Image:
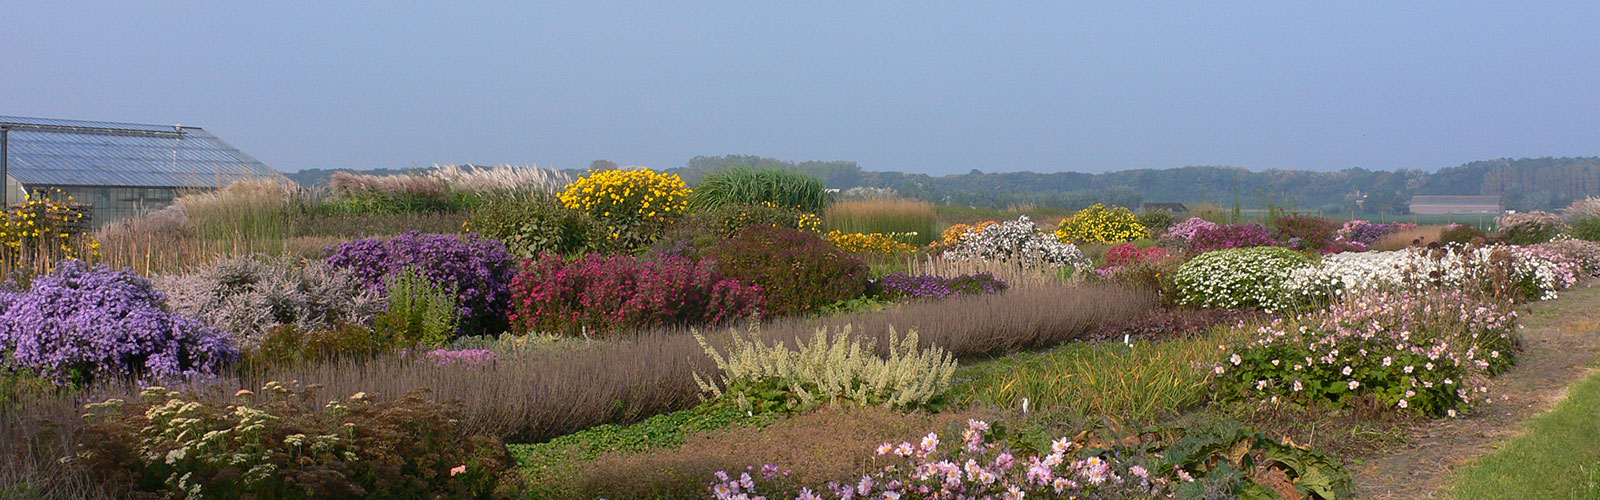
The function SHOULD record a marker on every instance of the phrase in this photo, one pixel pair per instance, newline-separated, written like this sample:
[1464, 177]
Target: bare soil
[1561, 343]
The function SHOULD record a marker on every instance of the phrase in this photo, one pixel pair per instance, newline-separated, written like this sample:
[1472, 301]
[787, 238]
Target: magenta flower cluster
[1128, 254]
[1230, 236]
[80, 323]
[479, 271]
[1187, 229]
[927, 286]
[971, 468]
[599, 294]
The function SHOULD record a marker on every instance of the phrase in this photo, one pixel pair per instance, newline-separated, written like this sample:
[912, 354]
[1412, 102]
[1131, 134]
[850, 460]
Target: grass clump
[748, 186]
[1139, 382]
[420, 310]
[912, 220]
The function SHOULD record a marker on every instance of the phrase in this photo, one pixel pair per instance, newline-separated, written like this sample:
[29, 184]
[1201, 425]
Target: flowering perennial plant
[1128, 254]
[1239, 277]
[922, 286]
[79, 323]
[797, 271]
[283, 442]
[1366, 232]
[49, 224]
[1018, 242]
[478, 270]
[972, 467]
[1187, 229]
[1305, 232]
[595, 294]
[1230, 236]
[878, 244]
[1425, 352]
[1536, 273]
[1585, 255]
[832, 367]
[630, 202]
[1099, 224]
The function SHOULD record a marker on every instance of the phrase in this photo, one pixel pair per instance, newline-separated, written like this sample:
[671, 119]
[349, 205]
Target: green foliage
[830, 368]
[1157, 222]
[291, 345]
[725, 221]
[1228, 450]
[532, 224]
[548, 464]
[420, 311]
[748, 186]
[1239, 277]
[287, 443]
[1586, 228]
[382, 203]
[1460, 233]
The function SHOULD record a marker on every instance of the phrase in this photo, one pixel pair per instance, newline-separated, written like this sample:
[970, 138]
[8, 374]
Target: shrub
[248, 297]
[798, 272]
[1157, 222]
[634, 205]
[875, 244]
[1528, 228]
[1587, 228]
[1460, 234]
[725, 221]
[290, 345]
[1230, 236]
[1426, 352]
[912, 219]
[1367, 233]
[479, 270]
[1018, 242]
[1304, 232]
[608, 295]
[928, 286]
[81, 323]
[1240, 277]
[420, 311]
[43, 229]
[1098, 224]
[748, 186]
[1128, 254]
[530, 225]
[1585, 255]
[829, 368]
[1187, 229]
[286, 443]
[1513, 273]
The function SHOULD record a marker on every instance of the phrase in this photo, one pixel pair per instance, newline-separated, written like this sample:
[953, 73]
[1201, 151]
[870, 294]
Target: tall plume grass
[884, 215]
[477, 179]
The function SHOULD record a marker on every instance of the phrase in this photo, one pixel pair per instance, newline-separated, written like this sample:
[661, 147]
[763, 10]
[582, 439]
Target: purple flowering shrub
[923, 286]
[479, 270]
[1366, 232]
[1230, 236]
[1305, 232]
[600, 294]
[79, 323]
[1187, 229]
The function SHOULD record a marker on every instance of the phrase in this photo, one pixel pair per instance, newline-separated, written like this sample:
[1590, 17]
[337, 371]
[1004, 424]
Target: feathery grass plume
[785, 188]
[832, 367]
[1584, 208]
[913, 220]
[476, 179]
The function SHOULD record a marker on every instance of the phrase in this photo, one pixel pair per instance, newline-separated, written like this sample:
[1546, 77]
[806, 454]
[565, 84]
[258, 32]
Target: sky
[932, 87]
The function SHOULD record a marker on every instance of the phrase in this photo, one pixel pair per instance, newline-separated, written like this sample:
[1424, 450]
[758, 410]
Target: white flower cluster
[1020, 242]
[1239, 277]
[1345, 273]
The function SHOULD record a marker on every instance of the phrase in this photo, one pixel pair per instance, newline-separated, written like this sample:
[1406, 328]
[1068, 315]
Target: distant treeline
[1523, 184]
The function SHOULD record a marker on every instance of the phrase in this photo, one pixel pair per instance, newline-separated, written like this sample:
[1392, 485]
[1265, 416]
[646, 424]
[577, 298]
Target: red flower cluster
[602, 295]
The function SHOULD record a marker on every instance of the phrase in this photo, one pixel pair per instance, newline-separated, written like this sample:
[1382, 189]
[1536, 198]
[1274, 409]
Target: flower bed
[1240, 277]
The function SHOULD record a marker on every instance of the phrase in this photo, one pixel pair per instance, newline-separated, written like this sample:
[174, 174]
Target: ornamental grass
[913, 220]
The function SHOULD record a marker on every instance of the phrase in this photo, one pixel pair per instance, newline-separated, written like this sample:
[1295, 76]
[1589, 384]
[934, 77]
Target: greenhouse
[116, 170]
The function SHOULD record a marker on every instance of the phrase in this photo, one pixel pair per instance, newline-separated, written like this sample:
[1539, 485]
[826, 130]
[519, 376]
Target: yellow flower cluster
[1098, 224]
[628, 195]
[873, 243]
[48, 223]
[956, 232]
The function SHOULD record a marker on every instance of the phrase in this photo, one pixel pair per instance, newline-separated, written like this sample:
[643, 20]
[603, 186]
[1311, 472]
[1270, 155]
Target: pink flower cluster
[599, 294]
[1187, 229]
[973, 468]
[1128, 254]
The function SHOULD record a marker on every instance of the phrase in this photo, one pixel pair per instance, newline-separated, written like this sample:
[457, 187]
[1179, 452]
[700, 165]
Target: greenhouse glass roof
[42, 151]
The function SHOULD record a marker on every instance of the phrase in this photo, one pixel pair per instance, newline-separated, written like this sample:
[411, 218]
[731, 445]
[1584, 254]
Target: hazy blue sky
[915, 86]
